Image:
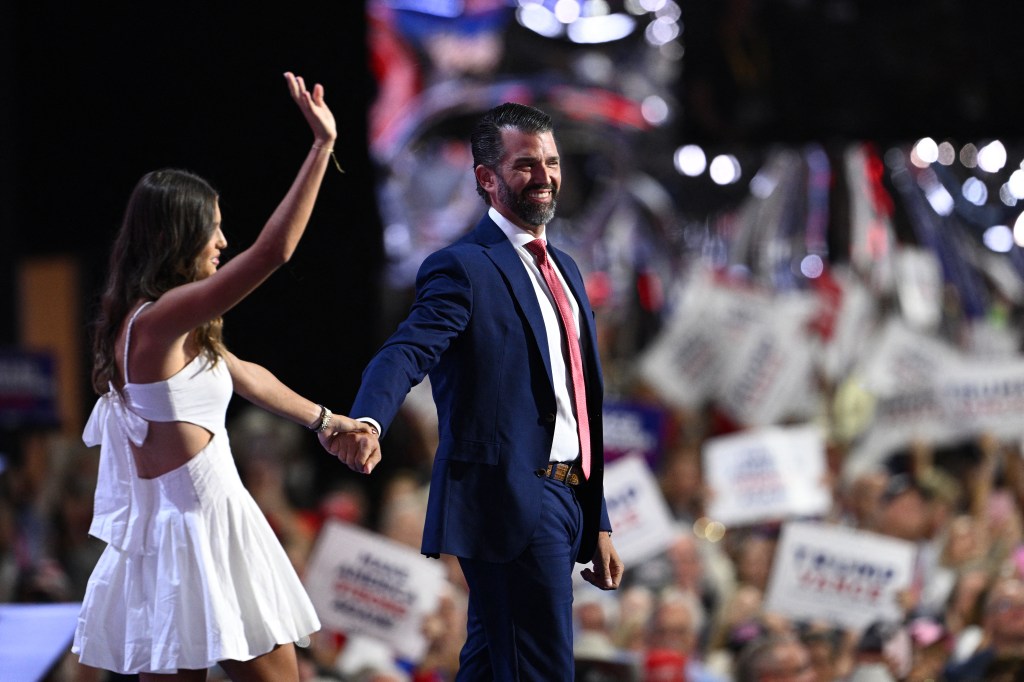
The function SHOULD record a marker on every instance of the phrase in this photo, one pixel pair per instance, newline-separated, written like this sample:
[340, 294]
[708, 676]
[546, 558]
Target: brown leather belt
[567, 473]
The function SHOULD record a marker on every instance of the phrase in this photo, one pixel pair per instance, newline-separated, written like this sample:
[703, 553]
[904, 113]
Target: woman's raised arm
[184, 308]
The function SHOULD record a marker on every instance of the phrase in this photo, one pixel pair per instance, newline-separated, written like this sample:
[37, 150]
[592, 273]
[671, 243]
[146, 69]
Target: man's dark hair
[758, 657]
[485, 140]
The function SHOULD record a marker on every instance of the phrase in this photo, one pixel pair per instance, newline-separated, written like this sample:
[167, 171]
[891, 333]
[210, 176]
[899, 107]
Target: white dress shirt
[565, 447]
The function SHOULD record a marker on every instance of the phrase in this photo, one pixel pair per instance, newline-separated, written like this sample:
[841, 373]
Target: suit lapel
[505, 258]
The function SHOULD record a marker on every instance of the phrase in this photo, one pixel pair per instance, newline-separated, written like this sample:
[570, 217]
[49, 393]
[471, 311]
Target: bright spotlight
[567, 11]
[975, 191]
[992, 157]
[998, 238]
[924, 153]
[661, 31]
[540, 20]
[654, 109]
[1006, 195]
[1016, 184]
[725, 169]
[1018, 230]
[812, 266]
[763, 184]
[940, 199]
[690, 160]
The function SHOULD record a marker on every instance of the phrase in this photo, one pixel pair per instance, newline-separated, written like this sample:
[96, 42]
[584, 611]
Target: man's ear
[485, 178]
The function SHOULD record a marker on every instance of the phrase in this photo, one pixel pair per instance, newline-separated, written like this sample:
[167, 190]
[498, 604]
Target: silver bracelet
[323, 421]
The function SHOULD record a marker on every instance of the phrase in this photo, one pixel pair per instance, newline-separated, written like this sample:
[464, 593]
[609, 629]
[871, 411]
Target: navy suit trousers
[520, 612]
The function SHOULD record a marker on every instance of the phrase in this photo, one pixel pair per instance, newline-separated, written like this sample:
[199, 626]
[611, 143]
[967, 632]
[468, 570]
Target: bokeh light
[812, 266]
[725, 169]
[947, 154]
[969, 155]
[999, 238]
[690, 160]
[924, 153]
[992, 157]
[975, 191]
[654, 110]
[1018, 230]
[1016, 184]
[567, 11]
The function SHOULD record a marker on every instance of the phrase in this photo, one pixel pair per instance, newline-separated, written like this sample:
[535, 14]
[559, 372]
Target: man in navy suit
[516, 491]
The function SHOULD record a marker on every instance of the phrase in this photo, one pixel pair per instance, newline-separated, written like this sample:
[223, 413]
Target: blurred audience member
[964, 613]
[445, 630]
[1004, 632]
[930, 645]
[775, 658]
[636, 605]
[882, 654]
[738, 624]
[672, 638]
[861, 496]
[753, 552]
[830, 649]
[682, 483]
[592, 613]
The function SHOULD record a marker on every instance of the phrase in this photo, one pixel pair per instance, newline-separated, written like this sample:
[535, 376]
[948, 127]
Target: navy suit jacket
[476, 328]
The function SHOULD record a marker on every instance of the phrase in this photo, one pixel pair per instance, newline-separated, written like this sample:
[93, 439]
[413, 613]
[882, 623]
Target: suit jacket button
[550, 418]
[541, 473]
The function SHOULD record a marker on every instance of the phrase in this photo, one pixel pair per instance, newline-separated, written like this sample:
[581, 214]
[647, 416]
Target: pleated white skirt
[213, 584]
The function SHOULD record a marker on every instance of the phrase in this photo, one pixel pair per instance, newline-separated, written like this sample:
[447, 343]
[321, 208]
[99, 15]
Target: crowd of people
[693, 613]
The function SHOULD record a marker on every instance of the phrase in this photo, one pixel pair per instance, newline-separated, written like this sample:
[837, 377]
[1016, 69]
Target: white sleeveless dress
[192, 574]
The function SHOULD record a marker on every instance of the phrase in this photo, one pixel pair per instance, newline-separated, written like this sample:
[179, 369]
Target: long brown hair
[167, 223]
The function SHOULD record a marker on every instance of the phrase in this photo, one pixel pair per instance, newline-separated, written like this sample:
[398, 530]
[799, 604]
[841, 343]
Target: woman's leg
[279, 664]
[180, 676]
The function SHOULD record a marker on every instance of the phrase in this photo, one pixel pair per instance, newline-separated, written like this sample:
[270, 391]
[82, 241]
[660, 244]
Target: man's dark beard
[527, 211]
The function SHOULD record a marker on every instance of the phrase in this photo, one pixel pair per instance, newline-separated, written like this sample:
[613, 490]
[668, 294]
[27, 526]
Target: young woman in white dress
[192, 575]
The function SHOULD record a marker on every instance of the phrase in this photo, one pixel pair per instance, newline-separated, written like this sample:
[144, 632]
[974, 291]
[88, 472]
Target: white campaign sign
[766, 365]
[683, 362]
[641, 522]
[924, 390]
[844, 576]
[361, 582]
[766, 474]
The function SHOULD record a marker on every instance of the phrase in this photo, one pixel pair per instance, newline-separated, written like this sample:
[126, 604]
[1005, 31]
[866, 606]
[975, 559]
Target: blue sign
[28, 389]
[634, 429]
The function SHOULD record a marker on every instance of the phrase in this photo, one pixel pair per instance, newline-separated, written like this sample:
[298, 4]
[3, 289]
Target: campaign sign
[361, 582]
[766, 368]
[765, 474]
[984, 396]
[632, 430]
[640, 517]
[841, 575]
[28, 389]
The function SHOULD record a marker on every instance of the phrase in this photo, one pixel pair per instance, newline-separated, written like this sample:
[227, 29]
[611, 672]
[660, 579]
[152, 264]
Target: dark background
[796, 70]
[96, 95]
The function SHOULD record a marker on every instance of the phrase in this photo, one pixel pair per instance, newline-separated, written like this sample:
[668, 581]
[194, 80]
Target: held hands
[608, 568]
[353, 442]
[313, 107]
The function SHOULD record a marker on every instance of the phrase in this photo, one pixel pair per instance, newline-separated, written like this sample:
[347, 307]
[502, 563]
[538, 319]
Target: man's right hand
[358, 449]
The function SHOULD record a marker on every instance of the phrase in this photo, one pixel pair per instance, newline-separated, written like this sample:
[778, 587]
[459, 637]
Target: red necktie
[579, 393]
